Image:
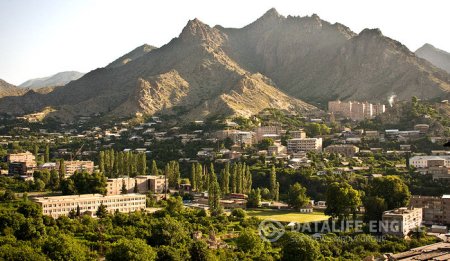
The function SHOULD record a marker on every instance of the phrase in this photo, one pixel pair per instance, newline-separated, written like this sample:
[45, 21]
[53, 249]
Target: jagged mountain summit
[7, 89]
[275, 61]
[314, 60]
[437, 57]
[59, 79]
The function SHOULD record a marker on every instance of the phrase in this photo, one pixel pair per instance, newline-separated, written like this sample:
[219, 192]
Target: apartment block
[298, 134]
[88, 203]
[306, 144]
[237, 136]
[144, 184]
[21, 163]
[78, 165]
[356, 110]
[436, 210]
[21, 157]
[401, 221]
[267, 131]
[343, 149]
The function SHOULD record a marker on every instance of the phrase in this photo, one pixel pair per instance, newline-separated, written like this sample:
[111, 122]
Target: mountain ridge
[435, 56]
[58, 79]
[276, 61]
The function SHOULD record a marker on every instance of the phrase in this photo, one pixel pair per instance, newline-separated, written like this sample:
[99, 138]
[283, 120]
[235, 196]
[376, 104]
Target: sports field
[287, 215]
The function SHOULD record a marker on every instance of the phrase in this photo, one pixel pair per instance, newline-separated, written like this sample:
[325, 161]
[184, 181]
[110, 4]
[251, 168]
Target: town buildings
[57, 206]
[238, 137]
[401, 221]
[21, 163]
[436, 210]
[273, 132]
[356, 110]
[144, 184]
[437, 166]
[305, 144]
[78, 166]
[343, 149]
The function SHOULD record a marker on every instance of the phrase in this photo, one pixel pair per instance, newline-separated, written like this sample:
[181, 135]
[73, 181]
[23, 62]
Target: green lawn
[287, 215]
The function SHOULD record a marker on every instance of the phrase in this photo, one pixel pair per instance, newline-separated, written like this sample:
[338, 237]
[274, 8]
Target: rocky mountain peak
[270, 19]
[272, 13]
[196, 31]
[437, 57]
[375, 32]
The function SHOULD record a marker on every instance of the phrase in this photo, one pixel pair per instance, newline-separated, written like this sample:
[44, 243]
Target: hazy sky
[42, 37]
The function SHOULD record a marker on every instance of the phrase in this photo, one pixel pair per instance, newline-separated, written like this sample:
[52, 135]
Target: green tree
[225, 179]
[20, 252]
[239, 213]
[273, 182]
[142, 167]
[54, 182]
[47, 153]
[199, 251]
[193, 178]
[101, 212]
[297, 246]
[101, 161]
[65, 247]
[265, 143]
[250, 242]
[342, 200]
[8, 195]
[30, 210]
[374, 208]
[168, 253]
[39, 185]
[392, 189]
[68, 187]
[131, 250]
[155, 170]
[175, 205]
[124, 189]
[296, 196]
[254, 198]
[136, 188]
[62, 169]
[214, 194]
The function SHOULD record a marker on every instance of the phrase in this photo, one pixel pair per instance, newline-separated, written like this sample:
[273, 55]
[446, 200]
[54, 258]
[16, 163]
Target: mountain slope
[225, 71]
[317, 61]
[133, 55]
[7, 89]
[58, 79]
[191, 74]
[437, 57]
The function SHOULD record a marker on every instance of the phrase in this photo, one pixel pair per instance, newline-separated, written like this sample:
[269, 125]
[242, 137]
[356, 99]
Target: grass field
[287, 215]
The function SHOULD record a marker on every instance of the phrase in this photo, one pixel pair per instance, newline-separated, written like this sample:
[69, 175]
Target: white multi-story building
[62, 205]
[21, 157]
[298, 134]
[267, 131]
[422, 162]
[237, 136]
[401, 221]
[139, 184]
[356, 110]
[306, 144]
[78, 165]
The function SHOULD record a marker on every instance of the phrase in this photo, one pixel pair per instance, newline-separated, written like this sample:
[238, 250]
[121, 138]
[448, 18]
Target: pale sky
[42, 37]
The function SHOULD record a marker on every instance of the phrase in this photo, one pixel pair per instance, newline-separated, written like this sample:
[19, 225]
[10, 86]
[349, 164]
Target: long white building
[429, 161]
[304, 144]
[62, 205]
